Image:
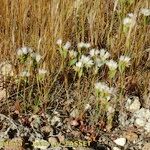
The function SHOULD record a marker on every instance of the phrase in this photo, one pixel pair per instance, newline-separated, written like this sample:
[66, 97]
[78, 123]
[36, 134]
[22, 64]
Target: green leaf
[72, 62]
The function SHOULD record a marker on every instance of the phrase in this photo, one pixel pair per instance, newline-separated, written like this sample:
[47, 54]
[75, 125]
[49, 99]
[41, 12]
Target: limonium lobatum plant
[124, 61]
[112, 65]
[129, 22]
[103, 91]
[63, 49]
[31, 62]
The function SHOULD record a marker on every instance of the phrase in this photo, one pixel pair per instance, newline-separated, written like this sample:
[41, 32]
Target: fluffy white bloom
[36, 56]
[25, 73]
[112, 65]
[6, 69]
[94, 52]
[24, 51]
[86, 61]
[129, 20]
[84, 45]
[42, 71]
[59, 42]
[124, 59]
[99, 62]
[103, 87]
[19, 52]
[104, 54]
[41, 144]
[145, 11]
[79, 64]
[67, 45]
[73, 53]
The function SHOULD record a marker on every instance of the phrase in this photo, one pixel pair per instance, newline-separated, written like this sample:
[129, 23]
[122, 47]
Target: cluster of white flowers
[36, 56]
[85, 61]
[104, 89]
[104, 54]
[42, 71]
[73, 54]
[130, 20]
[145, 11]
[24, 51]
[84, 45]
[66, 46]
[124, 60]
[25, 73]
[32, 58]
[94, 52]
[112, 65]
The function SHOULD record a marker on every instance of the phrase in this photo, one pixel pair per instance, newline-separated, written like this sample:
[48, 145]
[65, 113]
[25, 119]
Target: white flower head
[19, 52]
[124, 59]
[86, 61]
[79, 64]
[104, 54]
[67, 45]
[94, 52]
[36, 56]
[84, 45]
[73, 53]
[112, 65]
[25, 50]
[42, 71]
[59, 42]
[99, 62]
[129, 20]
[25, 73]
[145, 11]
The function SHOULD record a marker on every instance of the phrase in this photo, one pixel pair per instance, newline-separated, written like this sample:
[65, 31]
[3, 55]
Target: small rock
[74, 123]
[146, 146]
[116, 148]
[55, 120]
[130, 136]
[140, 122]
[53, 141]
[74, 113]
[133, 104]
[120, 141]
[46, 129]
